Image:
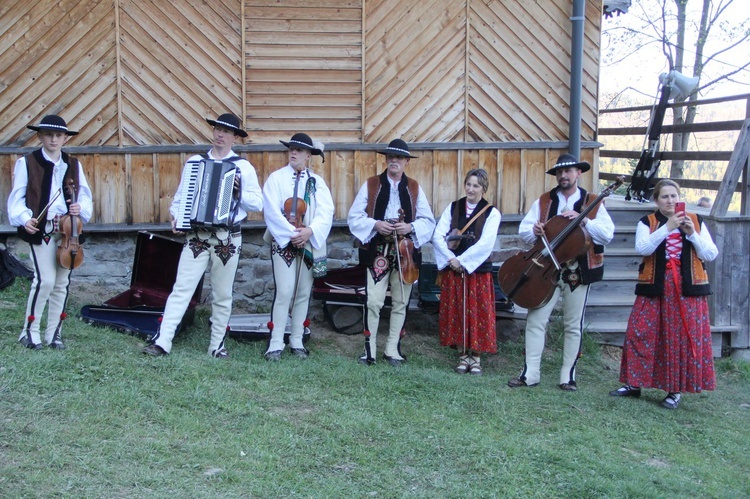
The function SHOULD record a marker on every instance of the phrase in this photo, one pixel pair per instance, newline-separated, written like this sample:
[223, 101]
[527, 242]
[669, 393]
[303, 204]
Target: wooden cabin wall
[138, 188]
[131, 74]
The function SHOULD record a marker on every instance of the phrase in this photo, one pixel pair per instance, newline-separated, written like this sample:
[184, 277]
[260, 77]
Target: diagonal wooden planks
[180, 64]
[519, 70]
[414, 67]
[66, 68]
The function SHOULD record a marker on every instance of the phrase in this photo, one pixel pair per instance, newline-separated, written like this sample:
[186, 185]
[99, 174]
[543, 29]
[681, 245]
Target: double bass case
[138, 310]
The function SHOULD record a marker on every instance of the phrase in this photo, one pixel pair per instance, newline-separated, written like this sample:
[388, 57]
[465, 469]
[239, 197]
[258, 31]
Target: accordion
[207, 199]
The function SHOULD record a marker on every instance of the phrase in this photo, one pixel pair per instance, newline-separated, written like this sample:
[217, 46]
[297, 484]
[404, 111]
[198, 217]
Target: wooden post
[737, 164]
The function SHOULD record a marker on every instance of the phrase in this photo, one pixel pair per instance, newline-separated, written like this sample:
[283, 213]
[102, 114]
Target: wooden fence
[730, 272]
[137, 187]
[718, 156]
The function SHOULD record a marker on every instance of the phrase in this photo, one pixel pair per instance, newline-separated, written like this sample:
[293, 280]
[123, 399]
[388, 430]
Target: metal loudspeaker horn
[680, 86]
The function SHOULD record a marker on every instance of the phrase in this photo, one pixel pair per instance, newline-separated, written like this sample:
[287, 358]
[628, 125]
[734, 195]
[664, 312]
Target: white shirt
[477, 253]
[19, 213]
[363, 227]
[278, 188]
[646, 241]
[251, 198]
[601, 227]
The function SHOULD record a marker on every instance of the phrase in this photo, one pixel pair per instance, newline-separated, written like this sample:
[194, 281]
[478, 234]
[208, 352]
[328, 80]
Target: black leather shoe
[57, 345]
[221, 354]
[302, 353]
[568, 387]
[26, 342]
[392, 361]
[626, 391]
[671, 401]
[154, 350]
[365, 360]
[274, 356]
[518, 382]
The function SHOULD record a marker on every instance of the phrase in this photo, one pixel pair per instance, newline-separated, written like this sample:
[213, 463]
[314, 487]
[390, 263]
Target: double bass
[69, 251]
[529, 278]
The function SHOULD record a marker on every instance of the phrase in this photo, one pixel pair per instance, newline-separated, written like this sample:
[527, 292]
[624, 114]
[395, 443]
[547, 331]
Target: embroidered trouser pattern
[288, 269]
[49, 288]
[200, 249]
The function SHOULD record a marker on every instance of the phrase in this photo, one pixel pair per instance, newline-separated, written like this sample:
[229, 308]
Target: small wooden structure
[471, 83]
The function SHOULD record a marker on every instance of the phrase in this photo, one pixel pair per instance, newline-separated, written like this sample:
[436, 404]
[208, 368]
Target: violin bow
[398, 260]
[549, 251]
[463, 304]
[44, 210]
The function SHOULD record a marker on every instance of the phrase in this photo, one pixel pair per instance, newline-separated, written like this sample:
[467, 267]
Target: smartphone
[679, 207]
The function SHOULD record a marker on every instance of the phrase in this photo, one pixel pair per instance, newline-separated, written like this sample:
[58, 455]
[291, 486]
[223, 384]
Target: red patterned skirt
[481, 333]
[668, 342]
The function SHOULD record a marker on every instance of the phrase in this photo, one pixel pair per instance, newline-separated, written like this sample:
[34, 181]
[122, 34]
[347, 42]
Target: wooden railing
[728, 304]
[736, 177]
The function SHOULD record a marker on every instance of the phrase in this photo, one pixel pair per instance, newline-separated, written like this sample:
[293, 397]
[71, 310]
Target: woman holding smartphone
[668, 339]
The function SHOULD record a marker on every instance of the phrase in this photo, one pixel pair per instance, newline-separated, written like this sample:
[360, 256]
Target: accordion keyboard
[189, 188]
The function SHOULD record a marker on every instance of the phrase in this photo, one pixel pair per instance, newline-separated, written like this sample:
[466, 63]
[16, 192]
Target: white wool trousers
[376, 293]
[49, 288]
[287, 277]
[191, 268]
[574, 303]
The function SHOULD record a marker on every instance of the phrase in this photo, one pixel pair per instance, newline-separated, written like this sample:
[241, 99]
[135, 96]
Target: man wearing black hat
[567, 200]
[386, 204]
[41, 195]
[299, 215]
[203, 244]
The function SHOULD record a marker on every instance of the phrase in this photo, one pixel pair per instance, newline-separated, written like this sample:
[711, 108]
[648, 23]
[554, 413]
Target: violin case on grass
[138, 310]
[254, 327]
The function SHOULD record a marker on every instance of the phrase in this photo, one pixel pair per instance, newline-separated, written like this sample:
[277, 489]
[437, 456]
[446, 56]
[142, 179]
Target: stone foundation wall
[108, 265]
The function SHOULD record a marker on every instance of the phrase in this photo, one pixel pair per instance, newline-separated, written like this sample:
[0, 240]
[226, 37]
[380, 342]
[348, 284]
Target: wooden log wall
[138, 79]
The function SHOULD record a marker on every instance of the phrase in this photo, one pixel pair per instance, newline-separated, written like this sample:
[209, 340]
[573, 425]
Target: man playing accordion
[215, 243]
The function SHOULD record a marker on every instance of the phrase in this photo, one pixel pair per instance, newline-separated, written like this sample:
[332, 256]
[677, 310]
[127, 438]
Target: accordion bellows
[207, 195]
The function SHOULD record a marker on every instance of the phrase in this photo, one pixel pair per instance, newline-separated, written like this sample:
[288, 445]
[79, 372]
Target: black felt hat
[303, 141]
[569, 161]
[397, 147]
[52, 123]
[230, 121]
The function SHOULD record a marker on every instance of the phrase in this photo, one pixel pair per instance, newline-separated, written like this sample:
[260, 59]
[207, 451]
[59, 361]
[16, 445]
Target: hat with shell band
[52, 123]
[397, 147]
[303, 141]
[568, 161]
[229, 121]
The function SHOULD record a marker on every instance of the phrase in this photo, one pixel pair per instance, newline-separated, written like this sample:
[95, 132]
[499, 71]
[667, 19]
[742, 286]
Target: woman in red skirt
[463, 241]
[668, 340]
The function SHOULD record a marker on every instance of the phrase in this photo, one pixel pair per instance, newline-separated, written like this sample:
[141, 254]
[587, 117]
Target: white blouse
[475, 255]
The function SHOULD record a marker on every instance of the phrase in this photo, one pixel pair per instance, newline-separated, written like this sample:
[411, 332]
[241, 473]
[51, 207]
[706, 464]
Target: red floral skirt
[668, 342]
[481, 333]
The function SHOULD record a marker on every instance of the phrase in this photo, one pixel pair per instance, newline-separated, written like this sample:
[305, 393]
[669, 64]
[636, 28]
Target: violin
[69, 251]
[454, 237]
[405, 254]
[529, 277]
[294, 207]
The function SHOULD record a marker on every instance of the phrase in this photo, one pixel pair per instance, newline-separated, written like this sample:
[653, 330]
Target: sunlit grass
[102, 420]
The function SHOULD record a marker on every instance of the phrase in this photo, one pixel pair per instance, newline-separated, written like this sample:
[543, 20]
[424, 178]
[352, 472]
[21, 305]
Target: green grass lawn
[100, 419]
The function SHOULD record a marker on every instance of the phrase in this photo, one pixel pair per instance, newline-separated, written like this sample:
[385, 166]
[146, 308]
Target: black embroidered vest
[459, 219]
[39, 188]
